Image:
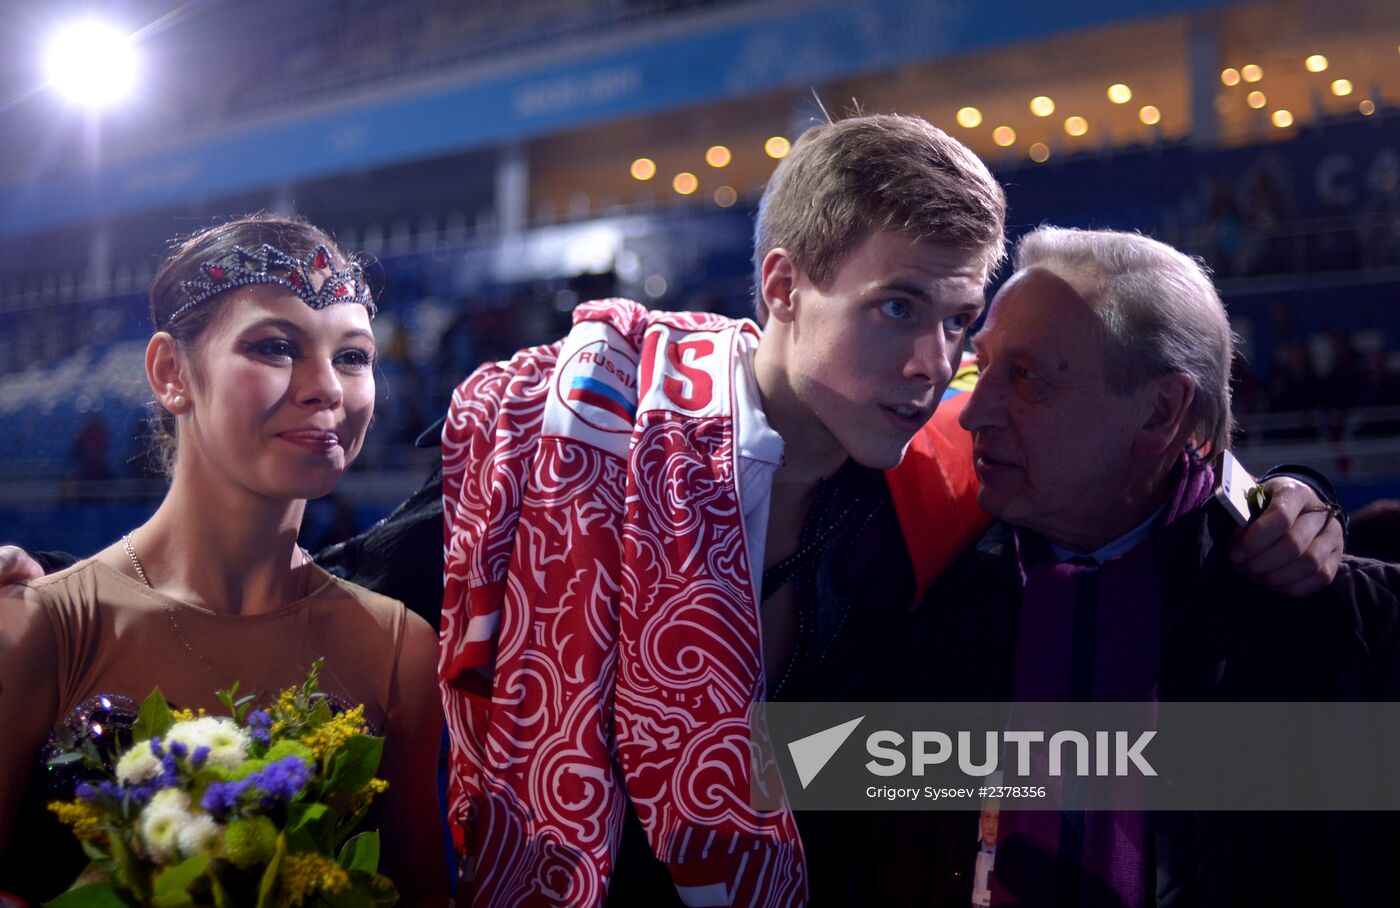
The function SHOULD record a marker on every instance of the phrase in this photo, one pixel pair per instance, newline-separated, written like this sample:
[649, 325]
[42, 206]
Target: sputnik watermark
[1077, 756]
[932, 748]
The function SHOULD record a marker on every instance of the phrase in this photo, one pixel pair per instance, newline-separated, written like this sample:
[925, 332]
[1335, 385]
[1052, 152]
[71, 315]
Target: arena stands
[502, 161]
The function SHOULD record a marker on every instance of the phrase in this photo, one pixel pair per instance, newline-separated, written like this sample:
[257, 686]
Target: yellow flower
[85, 820]
[285, 706]
[305, 874]
[331, 736]
[361, 798]
[187, 715]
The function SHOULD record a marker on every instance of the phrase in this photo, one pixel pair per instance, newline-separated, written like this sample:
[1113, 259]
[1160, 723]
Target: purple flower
[282, 780]
[259, 721]
[86, 792]
[140, 794]
[221, 797]
[279, 781]
[178, 749]
[156, 749]
[170, 771]
[201, 753]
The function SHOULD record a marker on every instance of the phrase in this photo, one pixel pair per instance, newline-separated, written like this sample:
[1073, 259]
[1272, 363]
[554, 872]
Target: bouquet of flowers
[253, 808]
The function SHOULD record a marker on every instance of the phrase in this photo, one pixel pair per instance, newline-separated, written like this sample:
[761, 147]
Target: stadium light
[91, 63]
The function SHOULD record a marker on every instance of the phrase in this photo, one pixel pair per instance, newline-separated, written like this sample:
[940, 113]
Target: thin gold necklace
[170, 612]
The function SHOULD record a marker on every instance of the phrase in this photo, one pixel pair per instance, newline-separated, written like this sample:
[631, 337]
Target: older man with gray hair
[1102, 403]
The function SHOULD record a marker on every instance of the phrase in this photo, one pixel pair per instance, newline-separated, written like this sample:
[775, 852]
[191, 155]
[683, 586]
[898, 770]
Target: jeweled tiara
[239, 268]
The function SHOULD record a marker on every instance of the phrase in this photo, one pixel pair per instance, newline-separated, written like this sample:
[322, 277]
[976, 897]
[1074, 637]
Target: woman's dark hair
[294, 236]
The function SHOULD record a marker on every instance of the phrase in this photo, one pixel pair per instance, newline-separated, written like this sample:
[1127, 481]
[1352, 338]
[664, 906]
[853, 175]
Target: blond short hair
[846, 180]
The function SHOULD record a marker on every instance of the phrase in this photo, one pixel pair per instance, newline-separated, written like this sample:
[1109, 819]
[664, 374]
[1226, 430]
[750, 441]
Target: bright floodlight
[91, 64]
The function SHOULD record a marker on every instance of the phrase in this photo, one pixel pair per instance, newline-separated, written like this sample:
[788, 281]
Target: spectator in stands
[261, 367]
[1268, 249]
[1247, 390]
[1347, 378]
[90, 449]
[1225, 228]
[1105, 578]
[1374, 531]
[343, 524]
[1380, 385]
[1294, 384]
[140, 460]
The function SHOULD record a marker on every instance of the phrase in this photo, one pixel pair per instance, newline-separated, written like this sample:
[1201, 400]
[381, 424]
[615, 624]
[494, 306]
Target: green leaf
[100, 863]
[207, 775]
[154, 719]
[313, 676]
[241, 707]
[64, 759]
[320, 714]
[305, 825]
[91, 757]
[220, 894]
[347, 824]
[299, 816]
[1258, 500]
[226, 698]
[361, 852]
[171, 886]
[95, 895]
[355, 764]
[64, 738]
[380, 888]
[269, 877]
[126, 863]
[352, 897]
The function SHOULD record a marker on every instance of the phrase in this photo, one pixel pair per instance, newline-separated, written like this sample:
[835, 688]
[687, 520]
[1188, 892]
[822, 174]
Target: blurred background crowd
[500, 162]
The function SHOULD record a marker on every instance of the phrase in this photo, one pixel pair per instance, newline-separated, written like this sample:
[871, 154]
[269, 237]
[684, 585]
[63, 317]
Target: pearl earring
[178, 402]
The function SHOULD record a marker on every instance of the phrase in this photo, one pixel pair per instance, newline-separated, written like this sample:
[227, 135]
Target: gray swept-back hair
[1160, 312]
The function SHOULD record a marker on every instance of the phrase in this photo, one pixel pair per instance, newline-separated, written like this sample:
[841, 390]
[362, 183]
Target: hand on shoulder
[16, 566]
[28, 693]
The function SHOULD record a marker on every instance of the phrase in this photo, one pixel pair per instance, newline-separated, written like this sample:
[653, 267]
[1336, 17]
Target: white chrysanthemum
[161, 822]
[200, 834]
[227, 743]
[138, 765]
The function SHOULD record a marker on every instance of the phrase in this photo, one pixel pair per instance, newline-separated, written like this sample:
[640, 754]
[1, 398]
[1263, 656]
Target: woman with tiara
[262, 369]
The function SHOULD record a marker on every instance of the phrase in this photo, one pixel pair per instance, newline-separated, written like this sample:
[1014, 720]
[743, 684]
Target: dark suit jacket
[1223, 639]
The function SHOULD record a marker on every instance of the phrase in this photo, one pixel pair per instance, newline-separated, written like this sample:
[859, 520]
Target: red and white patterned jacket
[605, 502]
